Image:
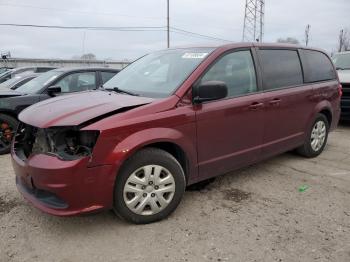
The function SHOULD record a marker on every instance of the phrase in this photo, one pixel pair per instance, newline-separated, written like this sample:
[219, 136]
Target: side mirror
[53, 90]
[208, 91]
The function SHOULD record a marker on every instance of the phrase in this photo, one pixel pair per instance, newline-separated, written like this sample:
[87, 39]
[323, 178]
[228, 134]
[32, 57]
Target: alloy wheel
[6, 134]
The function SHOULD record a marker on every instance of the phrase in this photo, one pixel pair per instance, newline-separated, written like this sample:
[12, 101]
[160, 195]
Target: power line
[124, 28]
[106, 28]
[179, 30]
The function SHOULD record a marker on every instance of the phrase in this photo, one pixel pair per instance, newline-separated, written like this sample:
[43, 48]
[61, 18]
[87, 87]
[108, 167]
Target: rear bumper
[64, 188]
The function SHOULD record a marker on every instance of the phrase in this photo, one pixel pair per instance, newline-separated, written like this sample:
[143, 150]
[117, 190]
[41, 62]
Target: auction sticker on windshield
[194, 55]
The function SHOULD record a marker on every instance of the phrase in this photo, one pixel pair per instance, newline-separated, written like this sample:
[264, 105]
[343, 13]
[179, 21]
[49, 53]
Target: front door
[229, 131]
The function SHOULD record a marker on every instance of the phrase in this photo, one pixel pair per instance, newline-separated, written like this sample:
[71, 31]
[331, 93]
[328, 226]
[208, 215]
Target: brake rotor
[8, 134]
[6, 131]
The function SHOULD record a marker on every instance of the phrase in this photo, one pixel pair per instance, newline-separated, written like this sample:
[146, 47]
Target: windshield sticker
[194, 55]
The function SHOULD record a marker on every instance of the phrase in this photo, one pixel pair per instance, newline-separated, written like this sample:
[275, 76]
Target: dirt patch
[236, 195]
[6, 206]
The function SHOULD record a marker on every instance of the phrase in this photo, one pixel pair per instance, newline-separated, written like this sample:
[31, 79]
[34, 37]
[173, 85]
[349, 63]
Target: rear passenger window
[106, 76]
[281, 68]
[237, 71]
[317, 66]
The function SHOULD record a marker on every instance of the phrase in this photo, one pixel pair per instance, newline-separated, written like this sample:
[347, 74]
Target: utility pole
[253, 27]
[341, 40]
[307, 34]
[168, 25]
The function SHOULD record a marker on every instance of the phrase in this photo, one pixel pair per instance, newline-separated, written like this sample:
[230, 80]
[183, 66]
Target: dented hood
[77, 109]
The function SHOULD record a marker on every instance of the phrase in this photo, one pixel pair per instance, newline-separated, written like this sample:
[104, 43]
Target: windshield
[35, 85]
[342, 61]
[9, 82]
[158, 74]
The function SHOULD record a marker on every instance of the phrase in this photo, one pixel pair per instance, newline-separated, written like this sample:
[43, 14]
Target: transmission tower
[253, 27]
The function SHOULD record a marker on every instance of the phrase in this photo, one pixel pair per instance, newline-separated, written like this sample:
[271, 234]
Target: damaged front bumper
[55, 184]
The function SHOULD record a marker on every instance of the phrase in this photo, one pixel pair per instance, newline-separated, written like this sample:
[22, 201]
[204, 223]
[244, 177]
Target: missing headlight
[68, 143]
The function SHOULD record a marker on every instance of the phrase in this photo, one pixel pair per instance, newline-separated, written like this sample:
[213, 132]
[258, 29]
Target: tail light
[340, 90]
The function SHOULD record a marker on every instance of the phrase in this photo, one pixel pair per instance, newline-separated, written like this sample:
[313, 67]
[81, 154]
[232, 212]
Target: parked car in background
[20, 70]
[342, 63]
[17, 81]
[171, 119]
[3, 69]
[52, 83]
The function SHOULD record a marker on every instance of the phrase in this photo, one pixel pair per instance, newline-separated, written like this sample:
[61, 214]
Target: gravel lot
[255, 214]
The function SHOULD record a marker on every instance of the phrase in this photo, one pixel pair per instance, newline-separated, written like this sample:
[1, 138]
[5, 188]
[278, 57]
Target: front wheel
[8, 126]
[317, 138]
[149, 187]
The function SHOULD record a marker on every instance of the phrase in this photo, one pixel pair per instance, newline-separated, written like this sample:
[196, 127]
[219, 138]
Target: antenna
[253, 27]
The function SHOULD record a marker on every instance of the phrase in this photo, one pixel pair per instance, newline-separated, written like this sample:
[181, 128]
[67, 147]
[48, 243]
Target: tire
[8, 127]
[309, 149]
[149, 186]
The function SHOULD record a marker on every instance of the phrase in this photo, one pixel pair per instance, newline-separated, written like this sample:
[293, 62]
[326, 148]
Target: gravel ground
[255, 214]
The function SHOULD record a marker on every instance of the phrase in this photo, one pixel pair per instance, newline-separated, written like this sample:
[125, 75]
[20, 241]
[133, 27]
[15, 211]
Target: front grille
[346, 91]
[24, 140]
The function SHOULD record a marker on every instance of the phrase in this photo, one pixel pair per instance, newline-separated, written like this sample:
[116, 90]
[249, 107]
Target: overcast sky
[222, 19]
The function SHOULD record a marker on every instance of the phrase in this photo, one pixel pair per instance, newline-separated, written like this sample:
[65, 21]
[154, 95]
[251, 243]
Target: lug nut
[144, 195]
[143, 187]
[156, 187]
[153, 195]
[150, 183]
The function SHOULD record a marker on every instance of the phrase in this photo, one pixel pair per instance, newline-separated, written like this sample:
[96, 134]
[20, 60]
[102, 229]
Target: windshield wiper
[121, 91]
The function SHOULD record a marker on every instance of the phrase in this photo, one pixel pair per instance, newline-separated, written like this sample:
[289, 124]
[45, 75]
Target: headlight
[67, 143]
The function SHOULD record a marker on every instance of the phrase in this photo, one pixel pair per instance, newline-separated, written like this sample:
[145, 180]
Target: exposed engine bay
[67, 143]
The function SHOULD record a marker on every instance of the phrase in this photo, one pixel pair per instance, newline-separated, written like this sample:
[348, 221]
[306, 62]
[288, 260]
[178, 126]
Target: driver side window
[237, 71]
[77, 82]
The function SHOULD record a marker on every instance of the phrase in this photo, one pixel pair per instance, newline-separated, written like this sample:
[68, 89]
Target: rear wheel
[8, 126]
[149, 187]
[316, 139]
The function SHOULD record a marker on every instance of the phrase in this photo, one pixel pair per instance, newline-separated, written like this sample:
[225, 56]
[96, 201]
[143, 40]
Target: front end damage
[53, 173]
[66, 143]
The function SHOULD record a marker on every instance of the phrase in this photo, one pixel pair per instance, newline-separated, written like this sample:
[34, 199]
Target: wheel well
[328, 114]
[176, 152]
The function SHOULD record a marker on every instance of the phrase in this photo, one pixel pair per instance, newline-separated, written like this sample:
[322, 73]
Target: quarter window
[317, 66]
[280, 68]
[237, 71]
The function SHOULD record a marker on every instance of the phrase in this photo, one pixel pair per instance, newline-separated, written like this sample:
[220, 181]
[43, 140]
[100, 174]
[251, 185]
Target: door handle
[256, 106]
[275, 101]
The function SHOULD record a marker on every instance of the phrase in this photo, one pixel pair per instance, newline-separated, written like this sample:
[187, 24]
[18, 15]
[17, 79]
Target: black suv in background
[52, 83]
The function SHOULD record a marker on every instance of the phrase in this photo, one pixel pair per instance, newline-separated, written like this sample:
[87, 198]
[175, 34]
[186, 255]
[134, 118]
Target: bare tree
[344, 41]
[88, 56]
[289, 40]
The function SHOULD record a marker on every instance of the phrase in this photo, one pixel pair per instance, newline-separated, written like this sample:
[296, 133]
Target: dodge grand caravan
[171, 119]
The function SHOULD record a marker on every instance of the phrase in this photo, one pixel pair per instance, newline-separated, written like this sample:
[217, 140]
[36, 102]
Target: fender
[136, 141]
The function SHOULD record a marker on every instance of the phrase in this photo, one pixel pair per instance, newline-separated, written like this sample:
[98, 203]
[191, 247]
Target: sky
[221, 19]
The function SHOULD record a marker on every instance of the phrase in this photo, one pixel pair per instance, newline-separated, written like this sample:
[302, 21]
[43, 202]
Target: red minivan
[171, 119]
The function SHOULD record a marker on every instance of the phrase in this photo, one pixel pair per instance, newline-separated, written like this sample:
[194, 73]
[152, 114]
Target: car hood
[79, 109]
[344, 76]
[6, 92]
